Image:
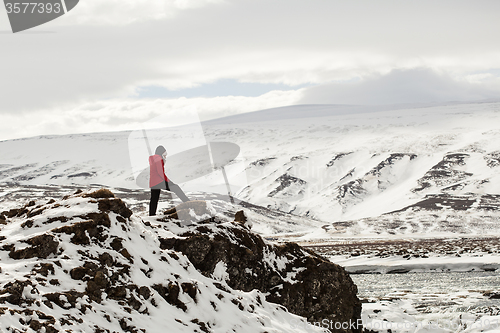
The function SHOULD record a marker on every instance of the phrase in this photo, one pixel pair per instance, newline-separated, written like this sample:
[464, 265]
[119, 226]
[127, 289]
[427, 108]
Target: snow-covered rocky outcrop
[87, 263]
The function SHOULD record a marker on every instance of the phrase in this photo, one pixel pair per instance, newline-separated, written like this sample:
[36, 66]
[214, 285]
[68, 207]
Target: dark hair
[160, 150]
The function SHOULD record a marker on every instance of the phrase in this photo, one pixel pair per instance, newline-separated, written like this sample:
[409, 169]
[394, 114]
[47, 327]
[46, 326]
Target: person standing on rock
[158, 180]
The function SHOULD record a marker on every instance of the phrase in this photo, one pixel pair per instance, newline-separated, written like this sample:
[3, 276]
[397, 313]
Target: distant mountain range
[326, 162]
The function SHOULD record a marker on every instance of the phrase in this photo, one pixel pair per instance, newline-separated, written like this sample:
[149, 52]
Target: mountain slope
[335, 164]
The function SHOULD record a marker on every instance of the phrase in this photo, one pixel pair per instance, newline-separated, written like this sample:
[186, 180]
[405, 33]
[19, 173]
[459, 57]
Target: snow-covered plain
[430, 302]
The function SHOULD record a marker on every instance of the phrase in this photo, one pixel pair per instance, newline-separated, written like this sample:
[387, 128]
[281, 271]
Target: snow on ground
[405, 241]
[430, 302]
[268, 223]
[399, 264]
[401, 307]
[456, 254]
[134, 259]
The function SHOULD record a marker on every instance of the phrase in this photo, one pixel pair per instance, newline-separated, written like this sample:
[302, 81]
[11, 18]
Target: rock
[41, 246]
[55, 282]
[106, 259]
[188, 212]
[305, 283]
[78, 273]
[242, 219]
[27, 224]
[71, 297]
[101, 247]
[144, 292]
[36, 212]
[170, 293]
[116, 206]
[80, 230]
[44, 269]
[13, 292]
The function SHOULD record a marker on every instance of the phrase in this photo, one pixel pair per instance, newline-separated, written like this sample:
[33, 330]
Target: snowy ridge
[86, 263]
[267, 223]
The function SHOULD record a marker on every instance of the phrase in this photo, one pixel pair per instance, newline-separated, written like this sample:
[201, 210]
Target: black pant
[155, 195]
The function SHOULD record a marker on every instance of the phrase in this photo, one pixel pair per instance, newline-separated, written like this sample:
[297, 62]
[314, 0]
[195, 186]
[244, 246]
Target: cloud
[122, 12]
[130, 114]
[417, 85]
[104, 52]
[282, 42]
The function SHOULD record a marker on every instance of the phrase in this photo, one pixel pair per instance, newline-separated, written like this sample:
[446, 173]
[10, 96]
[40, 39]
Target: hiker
[158, 180]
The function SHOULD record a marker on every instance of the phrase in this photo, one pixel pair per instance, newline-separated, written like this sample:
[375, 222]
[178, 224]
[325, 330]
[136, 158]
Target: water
[424, 295]
[379, 285]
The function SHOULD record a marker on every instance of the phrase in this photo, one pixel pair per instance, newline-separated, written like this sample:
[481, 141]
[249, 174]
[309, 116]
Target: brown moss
[100, 194]
[116, 206]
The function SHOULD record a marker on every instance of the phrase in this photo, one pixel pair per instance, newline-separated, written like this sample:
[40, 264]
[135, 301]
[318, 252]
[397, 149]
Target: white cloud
[417, 85]
[105, 50]
[122, 12]
[128, 114]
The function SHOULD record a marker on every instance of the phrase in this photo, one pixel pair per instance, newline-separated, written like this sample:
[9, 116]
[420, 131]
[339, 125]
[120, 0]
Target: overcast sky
[113, 64]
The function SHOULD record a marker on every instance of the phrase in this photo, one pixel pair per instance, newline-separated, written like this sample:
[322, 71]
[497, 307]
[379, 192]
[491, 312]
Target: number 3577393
[33, 7]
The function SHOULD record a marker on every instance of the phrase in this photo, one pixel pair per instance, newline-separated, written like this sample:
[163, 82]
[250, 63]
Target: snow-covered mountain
[326, 162]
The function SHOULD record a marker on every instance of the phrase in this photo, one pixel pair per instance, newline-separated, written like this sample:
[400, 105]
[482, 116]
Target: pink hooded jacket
[156, 170]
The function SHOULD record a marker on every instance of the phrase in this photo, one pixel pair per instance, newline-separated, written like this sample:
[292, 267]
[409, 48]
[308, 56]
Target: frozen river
[437, 302]
[376, 285]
